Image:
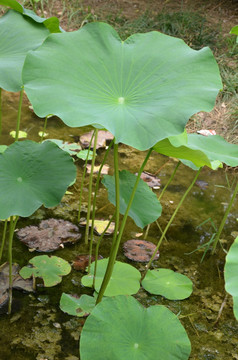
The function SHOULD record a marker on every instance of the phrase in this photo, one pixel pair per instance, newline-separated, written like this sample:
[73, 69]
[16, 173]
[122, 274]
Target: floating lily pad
[21, 134]
[100, 226]
[70, 148]
[231, 275]
[77, 306]
[125, 279]
[81, 261]
[139, 250]
[32, 175]
[165, 282]
[49, 268]
[145, 207]
[103, 138]
[134, 88]
[121, 328]
[83, 155]
[50, 235]
[18, 282]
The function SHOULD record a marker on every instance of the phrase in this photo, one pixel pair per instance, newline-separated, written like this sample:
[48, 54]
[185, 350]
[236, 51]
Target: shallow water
[38, 329]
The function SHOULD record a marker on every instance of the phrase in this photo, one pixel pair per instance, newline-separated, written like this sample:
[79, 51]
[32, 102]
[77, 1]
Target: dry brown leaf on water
[81, 261]
[50, 235]
[104, 171]
[100, 226]
[139, 250]
[151, 180]
[103, 138]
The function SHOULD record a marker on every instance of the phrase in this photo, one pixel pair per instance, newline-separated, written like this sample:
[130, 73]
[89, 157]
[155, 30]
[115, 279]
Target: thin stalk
[94, 204]
[44, 128]
[217, 237]
[171, 220]
[3, 239]
[11, 233]
[83, 177]
[0, 112]
[117, 239]
[90, 187]
[19, 113]
[112, 257]
[97, 248]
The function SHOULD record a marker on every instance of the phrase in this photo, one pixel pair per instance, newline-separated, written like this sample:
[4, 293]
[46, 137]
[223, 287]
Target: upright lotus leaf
[145, 207]
[231, 275]
[125, 279]
[52, 23]
[77, 306]
[49, 268]
[121, 328]
[166, 282]
[33, 174]
[211, 151]
[142, 90]
[18, 35]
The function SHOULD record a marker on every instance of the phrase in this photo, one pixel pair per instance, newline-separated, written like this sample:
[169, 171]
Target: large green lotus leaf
[52, 23]
[166, 282]
[33, 174]
[142, 90]
[49, 268]
[145, 207]
[125, 279]
[18, 35]
[121, 328]
[231, 275]
[80, 307]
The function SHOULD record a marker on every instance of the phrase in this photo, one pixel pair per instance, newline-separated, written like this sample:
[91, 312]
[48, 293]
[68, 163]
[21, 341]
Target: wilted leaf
[139, 250]
[104, 170]
[100, 226]
[151, 180]
[81, 261]
[103, 138]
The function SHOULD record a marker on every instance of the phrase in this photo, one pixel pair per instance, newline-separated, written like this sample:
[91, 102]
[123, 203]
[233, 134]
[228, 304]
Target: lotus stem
[94, 204]
[90, 187]
[160, 196]
[97, 247]
[3, 239]
[171, 220]
[218, 234]
[11, 233]
[117, 239]
[83, 177]
[44, 128]
[19, 113]
[0, 112]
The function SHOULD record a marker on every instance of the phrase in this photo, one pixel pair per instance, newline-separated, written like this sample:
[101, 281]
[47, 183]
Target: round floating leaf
[80, 307]
[33, 174]
[145, 207]
[70, 148]
[121, 328]
[165, 282]
[18, 35]
[50, 269]
[125, 279]
[142, 90]
[231, 275]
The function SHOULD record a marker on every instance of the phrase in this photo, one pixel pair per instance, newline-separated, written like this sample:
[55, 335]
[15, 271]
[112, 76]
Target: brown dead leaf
[103, 138]
[104, 171]
[139, 250]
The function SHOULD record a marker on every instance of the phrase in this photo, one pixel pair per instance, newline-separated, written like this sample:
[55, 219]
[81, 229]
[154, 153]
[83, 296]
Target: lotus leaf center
[136, 346]
[121, 100]
[19, 179]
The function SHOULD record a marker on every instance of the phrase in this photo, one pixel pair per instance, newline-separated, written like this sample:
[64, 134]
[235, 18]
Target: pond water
[38, 329]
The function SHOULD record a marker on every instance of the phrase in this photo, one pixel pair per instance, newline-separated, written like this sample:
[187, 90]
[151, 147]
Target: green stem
[97, 248]
[19, 113]
[112, 257]
[94, 204]
[11, 233]
[217, 237]
[83, 177]
[171, 220]
[0, 112]
[90, 187]
[169, 181]
[117, 239]
[44, 128]
[3, 238]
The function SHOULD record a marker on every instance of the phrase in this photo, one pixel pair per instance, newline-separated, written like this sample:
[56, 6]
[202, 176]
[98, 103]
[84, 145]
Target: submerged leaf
[125, 279]
[49, 268]
[81, 261]
[139, 250]
[134, 88]
[231, 275]
[145, 207]
[77, 306]
[165, 282]
[121, 328]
